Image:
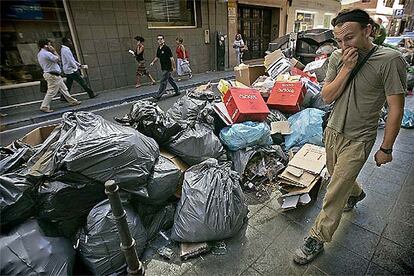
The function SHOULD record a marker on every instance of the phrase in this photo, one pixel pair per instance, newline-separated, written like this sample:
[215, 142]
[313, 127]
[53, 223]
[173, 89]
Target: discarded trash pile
[216, 146]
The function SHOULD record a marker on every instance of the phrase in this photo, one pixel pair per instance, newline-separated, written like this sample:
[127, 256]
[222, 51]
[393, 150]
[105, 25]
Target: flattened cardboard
[298, 177]
[281, 127]
[175, 159]
[292, 191]
[221, 110]
[189, 250]
[310, 158]
[38, 135]
[290, 202]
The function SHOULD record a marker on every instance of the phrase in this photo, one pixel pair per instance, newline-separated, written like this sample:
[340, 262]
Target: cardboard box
[245, 105]
[180, 164]
[247, 74]
[38, 135]
[297, 64]
[287, 96]
[272, 58]
[310, 158]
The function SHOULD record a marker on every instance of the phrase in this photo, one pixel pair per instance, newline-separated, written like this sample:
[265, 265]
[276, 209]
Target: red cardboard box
[295, 71]
[287, 96]
[245, 104]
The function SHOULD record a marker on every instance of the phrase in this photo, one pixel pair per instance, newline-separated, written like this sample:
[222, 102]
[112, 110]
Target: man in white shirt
[71, 68]
[49, 61]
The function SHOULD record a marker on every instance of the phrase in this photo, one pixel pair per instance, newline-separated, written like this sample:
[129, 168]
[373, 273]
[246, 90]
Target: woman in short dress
[139, 56]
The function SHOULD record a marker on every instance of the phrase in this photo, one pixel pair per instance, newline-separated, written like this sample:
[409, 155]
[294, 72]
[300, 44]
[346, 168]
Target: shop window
[304, 21]
[23, 23]
[170, 13]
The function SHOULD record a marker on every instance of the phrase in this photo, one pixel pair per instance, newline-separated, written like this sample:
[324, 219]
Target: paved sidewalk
[30, 114]
[376, 238]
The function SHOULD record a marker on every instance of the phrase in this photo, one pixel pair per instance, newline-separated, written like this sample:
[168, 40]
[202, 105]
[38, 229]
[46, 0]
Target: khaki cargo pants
[54, 84]
[344, 161]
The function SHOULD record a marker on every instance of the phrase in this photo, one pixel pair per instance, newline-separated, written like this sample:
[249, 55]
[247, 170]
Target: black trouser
[166, 77]
[76, 76]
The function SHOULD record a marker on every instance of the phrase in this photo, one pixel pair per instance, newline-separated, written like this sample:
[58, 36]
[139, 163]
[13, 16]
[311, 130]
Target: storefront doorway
[255, 27]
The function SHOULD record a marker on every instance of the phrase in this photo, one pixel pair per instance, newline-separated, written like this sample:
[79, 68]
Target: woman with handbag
[139, 56]
[239, 47]
[183, 65]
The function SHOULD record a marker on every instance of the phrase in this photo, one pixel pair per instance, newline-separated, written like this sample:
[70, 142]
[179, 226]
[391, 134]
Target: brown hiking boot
[308, 251]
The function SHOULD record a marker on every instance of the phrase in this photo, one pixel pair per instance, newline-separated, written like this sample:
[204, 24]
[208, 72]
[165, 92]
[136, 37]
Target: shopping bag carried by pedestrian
[185, 67]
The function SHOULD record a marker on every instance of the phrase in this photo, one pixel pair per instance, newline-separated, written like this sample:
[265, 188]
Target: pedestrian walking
[183, 63]
[139, 56]
[360, 78]
[164, 55]
[239, 47]
[49, 61]
[71, 68]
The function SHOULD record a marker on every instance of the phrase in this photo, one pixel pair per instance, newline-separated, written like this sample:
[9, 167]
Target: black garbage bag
[186, 110]
[11, 160]
[196, 144]
[17, 202]
[149, 119]
[65, 201]
[155, 218]
[27, 251]
[163, 182]
[101, 150]
[99, 243]
[212, 205]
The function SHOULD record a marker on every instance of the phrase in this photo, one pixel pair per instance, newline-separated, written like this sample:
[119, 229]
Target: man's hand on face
[382, 158]
[350, 57]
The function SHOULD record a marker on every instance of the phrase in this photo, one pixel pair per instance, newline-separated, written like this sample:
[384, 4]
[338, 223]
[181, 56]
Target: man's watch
[387, 151]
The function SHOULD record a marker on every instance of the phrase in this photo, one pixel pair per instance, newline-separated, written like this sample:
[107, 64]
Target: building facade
[103, 32]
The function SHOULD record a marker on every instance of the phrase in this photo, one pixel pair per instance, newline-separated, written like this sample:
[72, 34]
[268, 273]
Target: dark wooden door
[255, 26]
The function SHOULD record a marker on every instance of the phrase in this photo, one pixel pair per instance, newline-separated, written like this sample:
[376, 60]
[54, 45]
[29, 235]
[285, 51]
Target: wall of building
[318, 7]
[104, 32]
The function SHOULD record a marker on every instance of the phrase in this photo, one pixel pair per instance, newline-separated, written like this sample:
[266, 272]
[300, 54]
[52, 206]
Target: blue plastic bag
[246, 134]
[306, 127]
[408, 118]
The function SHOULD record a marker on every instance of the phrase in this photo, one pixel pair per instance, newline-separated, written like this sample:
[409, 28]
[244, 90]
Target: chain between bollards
[134, 266]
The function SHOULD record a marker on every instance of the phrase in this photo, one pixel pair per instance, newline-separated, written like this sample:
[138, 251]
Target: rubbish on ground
[212, 205]
[245, 105]
[150, 120]
[223, 86]
[196, 144]
[13, 159]
[297, 72]
[312, 90]
[163, 182]
[408, 118]
[17, 200]
[166, 253]
[275, 116]
[297, 64]
[259, 168]
[248, 73]
[101, 150]
[190, 250]
[180, 164]
[99, 243]
[319, 67]
[301, 175]
[306, 127]
[272, 58]
[287, 96]
[281, 127]
[283, 65]
[27, 251]
[219, 248]
[246, 134]
[221, 111]
[38, 135]
[56, 204]
[264, 85]
[155, 220]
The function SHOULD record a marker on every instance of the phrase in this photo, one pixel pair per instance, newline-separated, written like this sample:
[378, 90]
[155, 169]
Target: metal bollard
[134, 266]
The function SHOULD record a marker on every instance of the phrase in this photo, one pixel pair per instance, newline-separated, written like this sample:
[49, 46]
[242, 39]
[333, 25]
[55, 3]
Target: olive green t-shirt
[356, 112]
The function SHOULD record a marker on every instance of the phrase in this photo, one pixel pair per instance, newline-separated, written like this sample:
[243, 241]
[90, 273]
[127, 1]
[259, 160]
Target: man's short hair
[180, 39]
[43, 42]
[161, 36]
[139, 38]
[65, 40]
